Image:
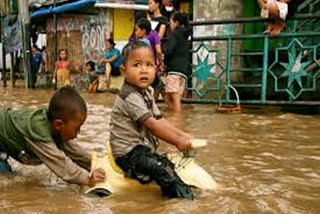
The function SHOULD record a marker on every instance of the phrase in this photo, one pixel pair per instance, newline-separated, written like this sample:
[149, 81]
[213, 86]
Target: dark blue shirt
[36, 61]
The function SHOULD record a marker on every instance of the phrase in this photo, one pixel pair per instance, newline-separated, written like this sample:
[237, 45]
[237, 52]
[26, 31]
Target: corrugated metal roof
[47, 2]
[68, 7]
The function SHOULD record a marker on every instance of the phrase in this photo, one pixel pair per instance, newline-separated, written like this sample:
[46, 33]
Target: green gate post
[265, 69]
[229, 53]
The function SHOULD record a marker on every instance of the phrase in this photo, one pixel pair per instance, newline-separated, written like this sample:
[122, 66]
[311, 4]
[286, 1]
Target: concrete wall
[206, 10]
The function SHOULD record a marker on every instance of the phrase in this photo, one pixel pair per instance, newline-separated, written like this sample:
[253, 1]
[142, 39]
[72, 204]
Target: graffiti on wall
[88, 31]
[95, 31]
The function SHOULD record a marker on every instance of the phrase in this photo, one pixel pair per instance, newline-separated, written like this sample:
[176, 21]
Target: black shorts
[115, 71]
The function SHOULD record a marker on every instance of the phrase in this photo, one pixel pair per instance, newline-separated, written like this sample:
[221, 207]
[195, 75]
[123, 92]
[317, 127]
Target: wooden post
[55, 33]
[12, 84]
[4, 67]
[25, 25]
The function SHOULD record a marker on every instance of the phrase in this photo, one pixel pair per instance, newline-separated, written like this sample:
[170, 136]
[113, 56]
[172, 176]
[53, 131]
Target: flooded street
[265, 161]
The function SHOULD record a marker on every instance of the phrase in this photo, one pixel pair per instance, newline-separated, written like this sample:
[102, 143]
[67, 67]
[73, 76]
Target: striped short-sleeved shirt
[131, 108]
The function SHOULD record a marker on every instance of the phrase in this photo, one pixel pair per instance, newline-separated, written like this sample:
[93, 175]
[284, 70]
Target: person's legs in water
[108, 74]
[145, 166]
[174, 88]
[158, 87]
[176, 102]
[33, 79]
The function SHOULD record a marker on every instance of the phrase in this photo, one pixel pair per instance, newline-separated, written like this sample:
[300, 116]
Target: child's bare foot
[277, 29]
[267, 31]
[269, 28]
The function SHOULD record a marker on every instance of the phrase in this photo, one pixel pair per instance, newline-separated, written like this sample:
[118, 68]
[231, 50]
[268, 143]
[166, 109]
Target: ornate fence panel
[279, 70]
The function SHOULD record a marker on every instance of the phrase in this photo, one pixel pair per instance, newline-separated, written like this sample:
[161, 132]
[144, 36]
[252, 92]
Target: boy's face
[71, 128]
[34, 50]
[140, 33]
[139, 70]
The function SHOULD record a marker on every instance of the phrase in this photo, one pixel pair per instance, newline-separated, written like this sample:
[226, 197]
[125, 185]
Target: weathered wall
[83, 36]
[206, 10]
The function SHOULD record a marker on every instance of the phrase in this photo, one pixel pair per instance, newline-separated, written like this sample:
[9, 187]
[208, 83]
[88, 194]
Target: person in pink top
[61, 75]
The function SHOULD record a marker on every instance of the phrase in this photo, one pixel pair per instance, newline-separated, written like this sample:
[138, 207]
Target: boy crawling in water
[136, 123]
[35, 136]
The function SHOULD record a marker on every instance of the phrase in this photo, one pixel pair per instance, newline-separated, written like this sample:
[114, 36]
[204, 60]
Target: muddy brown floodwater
[264, 160]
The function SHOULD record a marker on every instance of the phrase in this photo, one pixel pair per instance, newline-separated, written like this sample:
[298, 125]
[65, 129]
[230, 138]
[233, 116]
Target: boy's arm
[162, 31]
[159, 57]
[60, 164]
[77, 154]
[161, 128]
[164, 130]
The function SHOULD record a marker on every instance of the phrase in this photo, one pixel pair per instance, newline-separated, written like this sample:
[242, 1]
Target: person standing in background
[176, 60]
[61, 75]
[159, 23]
[36, 65]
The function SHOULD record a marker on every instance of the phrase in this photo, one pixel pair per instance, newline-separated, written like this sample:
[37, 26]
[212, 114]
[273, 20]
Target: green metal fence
[281, 70]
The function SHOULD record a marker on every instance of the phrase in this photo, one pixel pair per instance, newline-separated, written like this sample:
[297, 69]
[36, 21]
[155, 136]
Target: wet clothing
[134, 147]
[177, 52]
[145, 166]
[130, 109]
[25, 135]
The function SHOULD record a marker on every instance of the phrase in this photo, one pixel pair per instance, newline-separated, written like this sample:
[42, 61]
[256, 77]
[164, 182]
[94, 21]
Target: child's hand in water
[97, 175]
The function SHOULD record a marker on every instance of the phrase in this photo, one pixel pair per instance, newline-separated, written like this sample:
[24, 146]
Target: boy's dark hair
[35, 47]
[144, 24]
[91, 64]
[132, 46]
[64, 103]
[182, 18]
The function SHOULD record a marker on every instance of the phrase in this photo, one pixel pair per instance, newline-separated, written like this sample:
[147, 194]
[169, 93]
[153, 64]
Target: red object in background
[167, 3]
